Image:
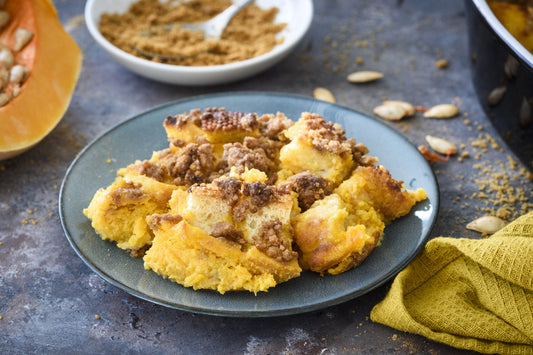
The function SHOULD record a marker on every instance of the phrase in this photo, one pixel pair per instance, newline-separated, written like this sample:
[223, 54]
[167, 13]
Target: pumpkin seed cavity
[12, 75]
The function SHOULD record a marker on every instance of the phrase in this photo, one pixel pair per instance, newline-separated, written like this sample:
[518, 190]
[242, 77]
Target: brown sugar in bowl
[297, 14]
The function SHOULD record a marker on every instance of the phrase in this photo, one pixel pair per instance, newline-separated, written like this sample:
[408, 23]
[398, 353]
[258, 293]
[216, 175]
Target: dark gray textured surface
[49, 298]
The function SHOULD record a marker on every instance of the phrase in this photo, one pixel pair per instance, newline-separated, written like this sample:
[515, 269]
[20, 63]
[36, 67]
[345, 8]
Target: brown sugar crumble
[251, 33]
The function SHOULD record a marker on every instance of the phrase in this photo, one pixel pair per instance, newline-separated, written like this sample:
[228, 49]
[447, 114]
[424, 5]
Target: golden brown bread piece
[235, 235]
[338, 232]
[190, 256]
[118, 213]
[214, 125]
[322, 148]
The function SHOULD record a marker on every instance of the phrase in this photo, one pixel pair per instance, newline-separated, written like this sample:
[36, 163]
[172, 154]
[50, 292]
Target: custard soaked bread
[231, 234]
[338, 232]
[243, 202]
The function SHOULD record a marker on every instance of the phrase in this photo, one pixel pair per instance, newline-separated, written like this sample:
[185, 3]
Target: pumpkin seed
[6, 57]
[511, 67]
[4, 19]
[486, 224]
[391, 112]
[441, 145]
[409, 109]
[442, 111]
[323, 94]
[364, 76]
[22, 38]
[18, 74]
[524, 114]
[15, 91]
[4, 99]
[496, 95]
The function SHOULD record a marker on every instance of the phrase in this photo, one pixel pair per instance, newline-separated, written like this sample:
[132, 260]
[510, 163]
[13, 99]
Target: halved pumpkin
[54, 63]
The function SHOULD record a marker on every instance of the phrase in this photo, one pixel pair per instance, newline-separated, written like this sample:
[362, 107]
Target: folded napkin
[468, 293]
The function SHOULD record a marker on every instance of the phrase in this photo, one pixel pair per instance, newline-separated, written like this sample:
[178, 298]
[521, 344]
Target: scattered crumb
[503, 213]
[441, 63]
[96, 316]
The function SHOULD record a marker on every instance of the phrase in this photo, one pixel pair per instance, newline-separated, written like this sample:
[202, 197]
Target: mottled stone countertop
[49, 297]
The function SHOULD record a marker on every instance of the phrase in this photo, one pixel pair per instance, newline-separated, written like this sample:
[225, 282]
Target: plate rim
[421, 242]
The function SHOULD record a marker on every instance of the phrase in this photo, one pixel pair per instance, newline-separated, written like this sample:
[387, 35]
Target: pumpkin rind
[55, 62]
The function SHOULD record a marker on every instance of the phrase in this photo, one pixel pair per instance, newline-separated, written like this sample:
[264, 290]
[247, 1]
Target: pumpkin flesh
[54, 61]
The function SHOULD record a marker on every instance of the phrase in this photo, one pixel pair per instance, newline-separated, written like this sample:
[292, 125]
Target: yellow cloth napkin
[468, 293]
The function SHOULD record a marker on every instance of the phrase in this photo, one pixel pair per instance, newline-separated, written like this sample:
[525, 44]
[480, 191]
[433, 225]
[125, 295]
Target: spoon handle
[225, 17]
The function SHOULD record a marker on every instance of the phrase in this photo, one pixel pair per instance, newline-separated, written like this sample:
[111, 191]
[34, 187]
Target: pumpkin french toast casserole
[244, 202]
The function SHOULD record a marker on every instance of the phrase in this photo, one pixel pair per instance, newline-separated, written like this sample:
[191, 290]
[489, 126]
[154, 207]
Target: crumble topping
[270, 242]
[227, 231]
[130, 192]
[309, 187]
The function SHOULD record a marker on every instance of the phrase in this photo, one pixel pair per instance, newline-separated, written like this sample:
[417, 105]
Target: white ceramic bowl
[296, 13]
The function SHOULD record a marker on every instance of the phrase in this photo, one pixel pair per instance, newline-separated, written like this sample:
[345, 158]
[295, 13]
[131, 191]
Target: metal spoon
[211, 28]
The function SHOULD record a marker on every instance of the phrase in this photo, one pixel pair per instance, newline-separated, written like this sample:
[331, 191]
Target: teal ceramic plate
[137, 137]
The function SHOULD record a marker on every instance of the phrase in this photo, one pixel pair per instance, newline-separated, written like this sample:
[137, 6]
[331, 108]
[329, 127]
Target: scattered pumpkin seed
[442, 111]
[524, 115]
[391, 112]
[18, 74]
[22, 38]
[364, 76]
[486, 224]
[4, 99]
[511, 67]
[323, 94]
[441, 145]
[496, 95]
[4, 18]
[409, 109]
[6, 57]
